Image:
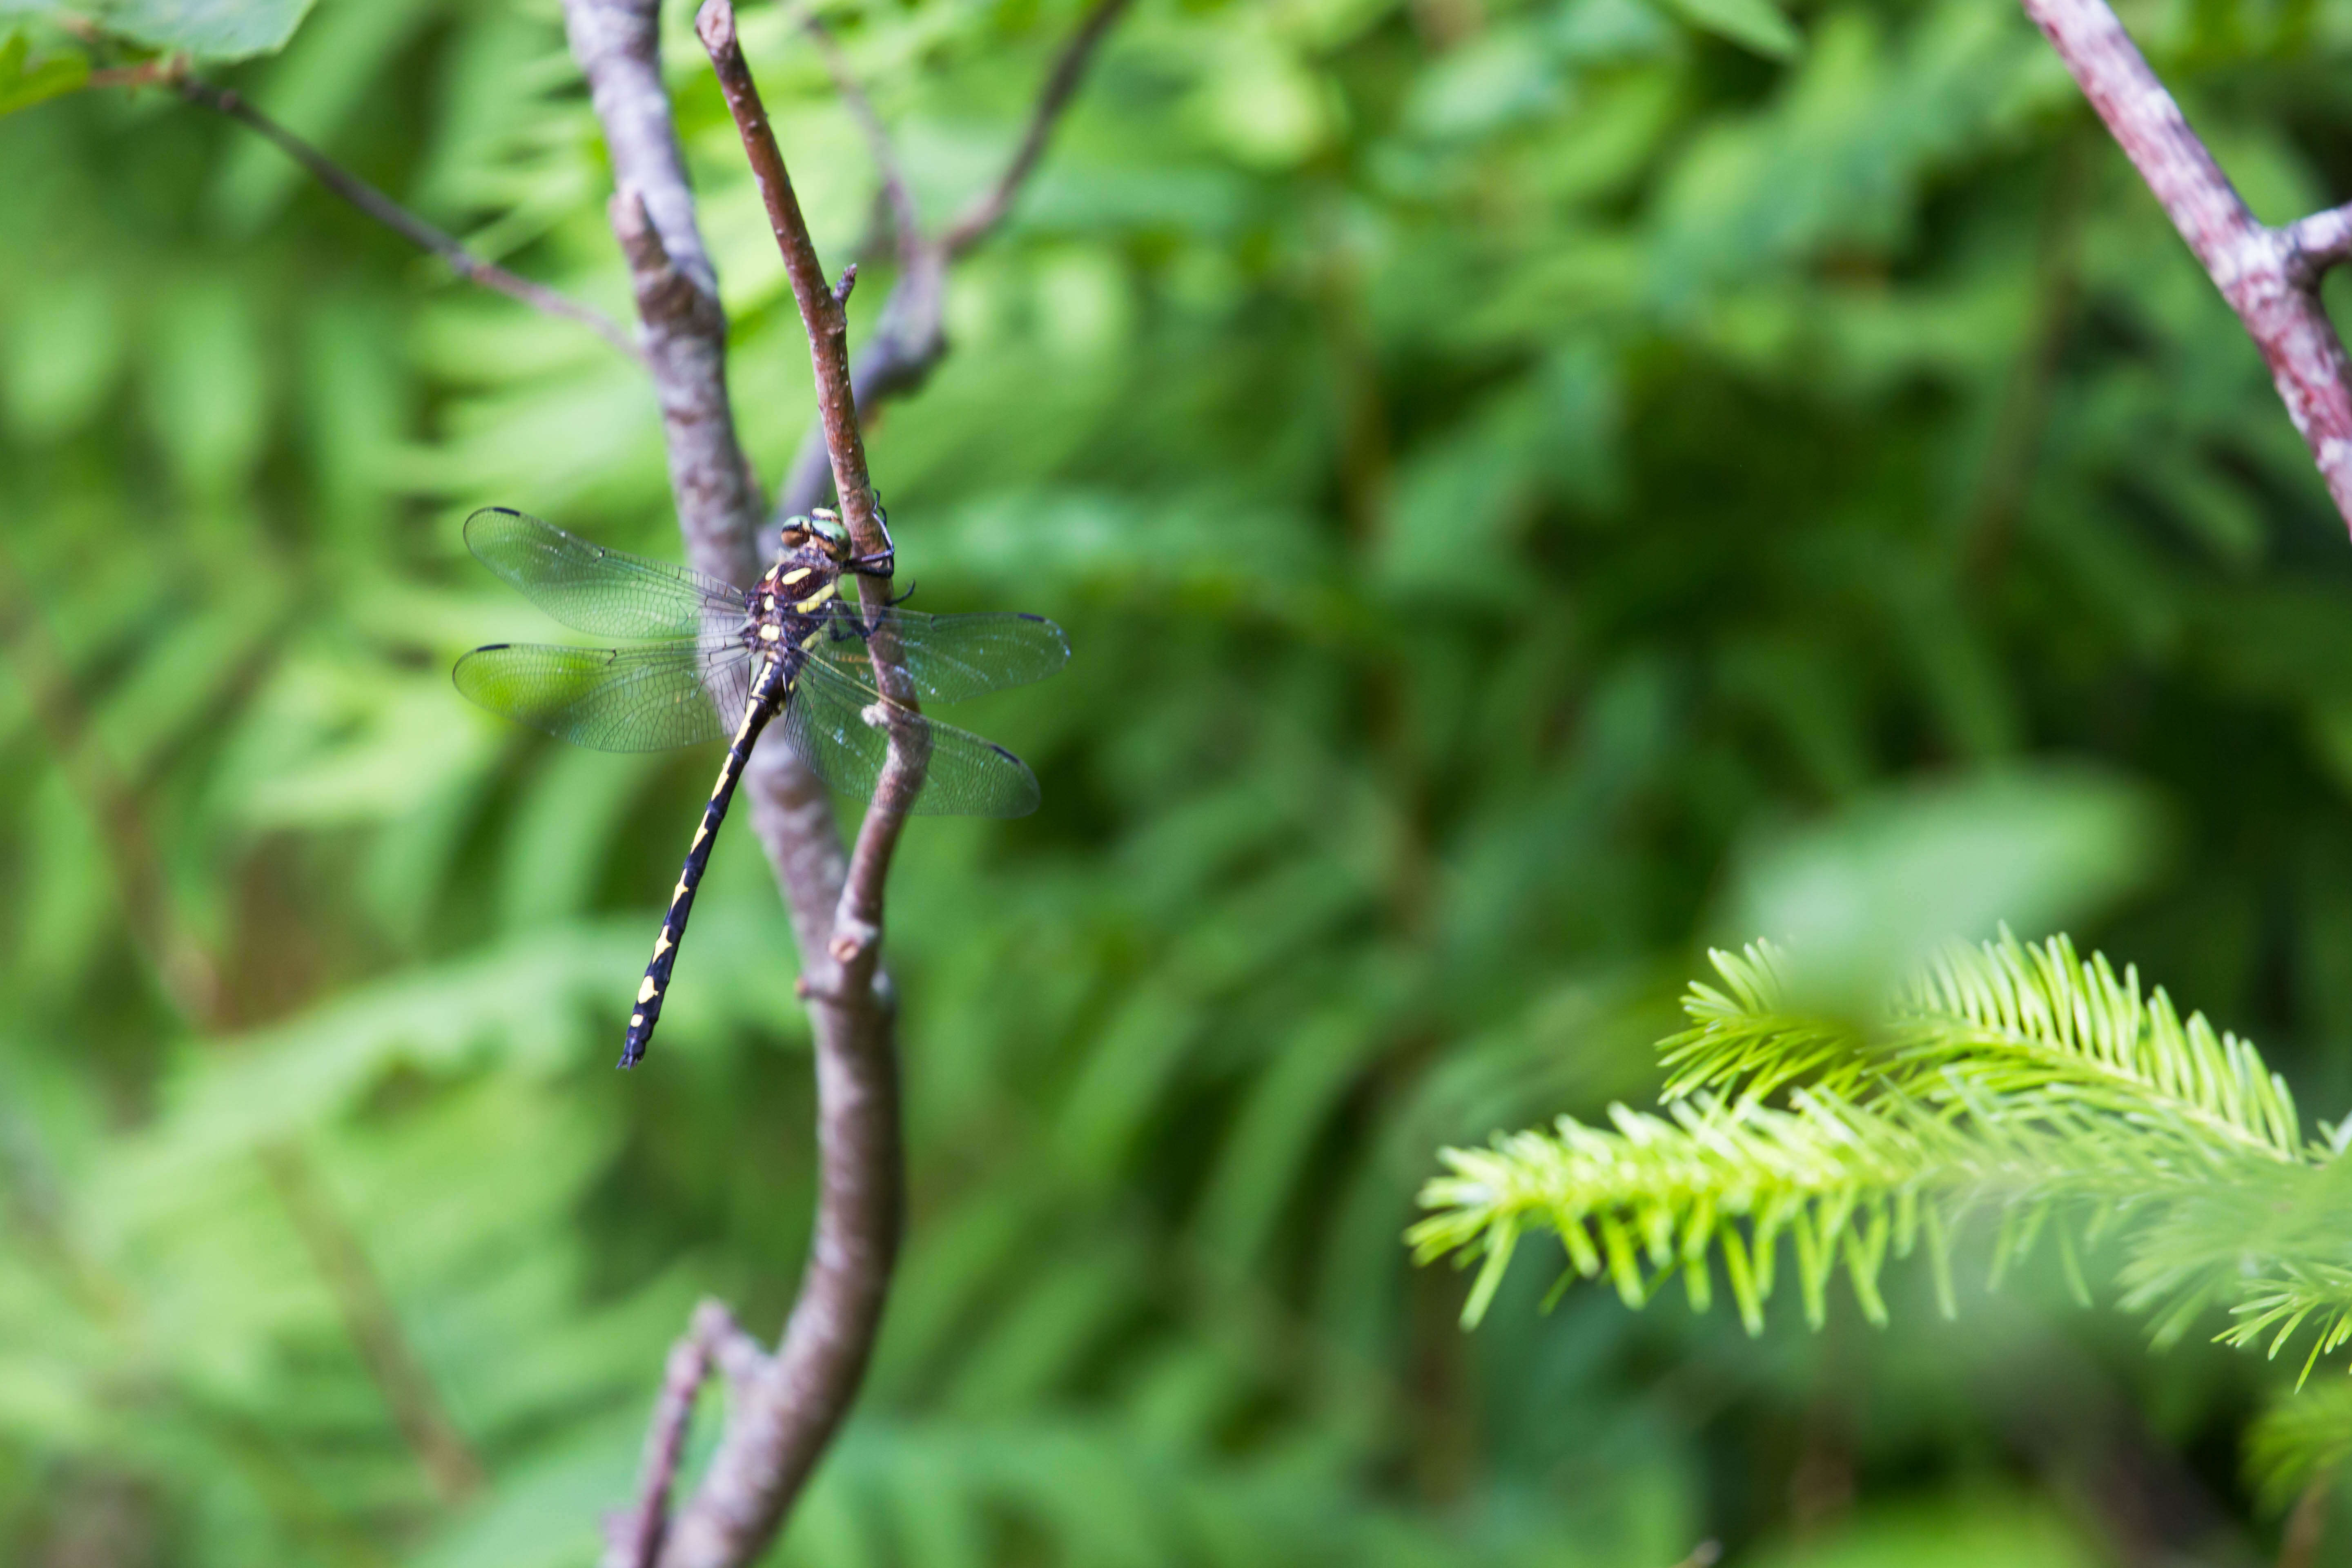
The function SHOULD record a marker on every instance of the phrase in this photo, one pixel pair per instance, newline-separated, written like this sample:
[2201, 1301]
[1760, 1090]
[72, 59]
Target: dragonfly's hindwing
[613, 700]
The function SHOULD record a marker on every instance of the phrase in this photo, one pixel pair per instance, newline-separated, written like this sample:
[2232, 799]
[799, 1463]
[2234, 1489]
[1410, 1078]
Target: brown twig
[911, 337]
[174, 74]
[1061, 84]
[821, 315]
[2270, 277]
[633, 1537]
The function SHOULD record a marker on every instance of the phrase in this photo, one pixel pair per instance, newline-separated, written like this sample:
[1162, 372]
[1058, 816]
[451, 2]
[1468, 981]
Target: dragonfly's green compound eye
[826, 526]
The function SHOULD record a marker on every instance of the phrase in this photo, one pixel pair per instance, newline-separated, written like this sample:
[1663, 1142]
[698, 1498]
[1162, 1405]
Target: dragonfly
[714, 660]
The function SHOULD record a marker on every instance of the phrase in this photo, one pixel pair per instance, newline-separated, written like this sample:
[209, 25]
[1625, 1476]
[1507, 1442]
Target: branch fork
[2270, 277]
[784, 1406]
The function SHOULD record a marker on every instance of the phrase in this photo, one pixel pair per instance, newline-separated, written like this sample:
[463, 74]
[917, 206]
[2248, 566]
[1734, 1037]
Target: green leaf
[21, 87]
[1756, 25]
[209, 29]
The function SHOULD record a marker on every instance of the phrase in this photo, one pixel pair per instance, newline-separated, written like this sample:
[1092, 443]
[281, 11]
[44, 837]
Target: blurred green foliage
[1534, 485]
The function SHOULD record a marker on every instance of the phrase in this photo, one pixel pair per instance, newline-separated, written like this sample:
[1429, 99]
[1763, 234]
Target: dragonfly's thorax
[795, 602]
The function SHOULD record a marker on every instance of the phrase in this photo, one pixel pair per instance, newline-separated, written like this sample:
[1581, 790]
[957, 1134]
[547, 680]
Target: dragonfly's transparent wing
[609, 592]
[952, 657]
[613, 700]
[826, 721]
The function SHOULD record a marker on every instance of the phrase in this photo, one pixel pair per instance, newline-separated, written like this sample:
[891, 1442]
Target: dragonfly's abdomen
[767, 694]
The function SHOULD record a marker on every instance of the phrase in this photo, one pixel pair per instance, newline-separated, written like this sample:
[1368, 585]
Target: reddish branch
[2269, 276]
[911, 336]
[821, 306]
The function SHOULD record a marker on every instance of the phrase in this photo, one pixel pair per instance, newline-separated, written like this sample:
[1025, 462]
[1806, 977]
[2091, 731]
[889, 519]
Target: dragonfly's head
[822, 527]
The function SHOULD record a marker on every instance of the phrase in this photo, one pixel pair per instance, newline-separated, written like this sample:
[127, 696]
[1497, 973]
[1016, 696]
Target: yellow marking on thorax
[789, 578]
[819, 598]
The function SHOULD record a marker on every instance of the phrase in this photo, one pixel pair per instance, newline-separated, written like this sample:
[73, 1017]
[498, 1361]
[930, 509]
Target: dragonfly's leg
[883, 561]
[845, 623]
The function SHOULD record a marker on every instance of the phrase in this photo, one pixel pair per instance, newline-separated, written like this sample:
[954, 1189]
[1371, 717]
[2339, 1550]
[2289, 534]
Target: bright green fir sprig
[2017, 1082]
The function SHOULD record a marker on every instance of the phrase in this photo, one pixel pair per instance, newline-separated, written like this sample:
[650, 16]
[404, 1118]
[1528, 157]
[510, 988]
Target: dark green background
[1533, 489]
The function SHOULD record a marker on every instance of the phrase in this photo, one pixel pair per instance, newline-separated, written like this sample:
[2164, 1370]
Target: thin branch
[2270, 277]
[821, 315]
[1061, 85]
[905, 223]
[910, 338]
[634, 1538]
[172, 74]
[369, 1318]
[2322, 241]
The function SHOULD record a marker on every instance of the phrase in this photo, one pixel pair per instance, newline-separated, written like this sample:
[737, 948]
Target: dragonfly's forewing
[608, 593]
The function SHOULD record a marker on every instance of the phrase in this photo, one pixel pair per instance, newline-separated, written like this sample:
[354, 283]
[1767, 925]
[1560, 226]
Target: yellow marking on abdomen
[646, 991]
